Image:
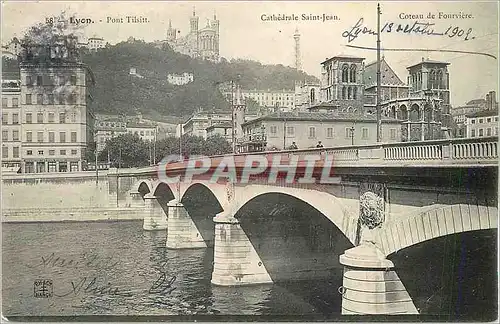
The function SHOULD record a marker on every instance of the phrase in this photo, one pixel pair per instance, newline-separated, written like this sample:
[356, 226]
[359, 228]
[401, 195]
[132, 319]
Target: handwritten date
[415, 28]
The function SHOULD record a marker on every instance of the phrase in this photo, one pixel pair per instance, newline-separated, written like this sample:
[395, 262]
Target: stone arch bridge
[417, 192]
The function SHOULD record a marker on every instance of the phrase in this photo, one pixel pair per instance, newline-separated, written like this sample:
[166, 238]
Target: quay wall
[62, 197]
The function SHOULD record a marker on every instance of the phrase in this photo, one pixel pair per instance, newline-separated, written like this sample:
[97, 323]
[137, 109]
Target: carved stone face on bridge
[371, 210]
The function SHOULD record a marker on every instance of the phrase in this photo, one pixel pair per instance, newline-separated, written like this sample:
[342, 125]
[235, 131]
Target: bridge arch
[291, 236]
[143, 187]
[435, 222]
[344, 216]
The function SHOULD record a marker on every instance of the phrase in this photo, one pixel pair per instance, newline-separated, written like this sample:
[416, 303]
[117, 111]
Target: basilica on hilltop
[199, 42]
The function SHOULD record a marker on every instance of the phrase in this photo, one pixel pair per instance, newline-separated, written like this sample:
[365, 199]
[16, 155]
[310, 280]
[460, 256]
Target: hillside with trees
[118, 92]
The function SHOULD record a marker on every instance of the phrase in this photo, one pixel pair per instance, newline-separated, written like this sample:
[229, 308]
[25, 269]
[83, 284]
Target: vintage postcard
[249, 161]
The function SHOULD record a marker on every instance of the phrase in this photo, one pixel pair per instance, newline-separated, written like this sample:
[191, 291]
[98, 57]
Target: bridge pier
[135, 199]
[236, 263]
[370, 284]
[154, 216]
[182, 232]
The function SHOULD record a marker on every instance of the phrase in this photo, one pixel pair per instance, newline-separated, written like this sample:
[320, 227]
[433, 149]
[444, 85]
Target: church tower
[215, 26]
[171, 32]
[194, 23]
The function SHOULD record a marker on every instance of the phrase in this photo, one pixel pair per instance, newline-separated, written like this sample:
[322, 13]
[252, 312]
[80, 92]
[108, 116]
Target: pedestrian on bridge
[319, 145]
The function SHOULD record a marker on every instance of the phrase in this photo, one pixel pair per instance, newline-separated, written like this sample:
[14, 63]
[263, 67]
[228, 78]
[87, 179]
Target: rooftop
[220, 125]
[387, 74]
[317, 116]
[139, 125]
[427, 61]
[342, 56]
[484, 113]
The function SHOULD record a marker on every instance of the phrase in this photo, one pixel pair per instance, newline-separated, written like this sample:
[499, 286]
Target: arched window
[313, 96]
[353, 74]
[343, 93]
[432, 79]
[439, 81]
[354, 93]
[345, 73]
[349, 93]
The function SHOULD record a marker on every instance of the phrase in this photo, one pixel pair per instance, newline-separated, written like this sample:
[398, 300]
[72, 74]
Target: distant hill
[117, 91]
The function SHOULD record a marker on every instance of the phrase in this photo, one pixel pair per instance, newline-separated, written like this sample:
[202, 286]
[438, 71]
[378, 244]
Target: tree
[126, 151]
[217, 145]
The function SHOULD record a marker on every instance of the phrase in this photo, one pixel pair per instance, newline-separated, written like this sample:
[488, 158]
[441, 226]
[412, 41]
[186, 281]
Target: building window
[39, 118]
[480, 120]
[496, 130]
[51, 117]
[473, 121]
[73, 117]
[15, 118]
[364, 133]
[5, 152]
[62, 137]
[40, 152]
[52, 152]
[50, 97]
[63, 166]
[73, 166]
[62, 80]
[392, 133]
[71, 98]
[15, 152]
[39, 99]
[312, 132]
[473, 133]
[15, 102]
[73, 152]
[73, 80]
[349, 93]
[29, 152]
[353, 73]
[496, 119]
[5, 135]
[488, 120]
[28, 99]
[4, 102]
[343, 92]
[62, 152]
[29, 137]
[29, 80]
[51, 137]
[329, 132]
[39, 137]
[73, 137]
[142, 133]
[345, 73]
[273, 130]
[290, 131]
[51, 165]
[39, 80]
[5, 118]
[481, 132]
[488, 131]
[29, 118]
[15, 135]
[62, 118]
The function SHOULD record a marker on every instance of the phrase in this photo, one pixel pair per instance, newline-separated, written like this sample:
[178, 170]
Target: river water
[117, 268]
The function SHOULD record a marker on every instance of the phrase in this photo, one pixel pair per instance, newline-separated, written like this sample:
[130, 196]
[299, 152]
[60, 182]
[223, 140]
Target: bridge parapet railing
[475, 150]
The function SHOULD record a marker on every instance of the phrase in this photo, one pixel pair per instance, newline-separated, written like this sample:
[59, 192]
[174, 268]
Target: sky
[245, 34]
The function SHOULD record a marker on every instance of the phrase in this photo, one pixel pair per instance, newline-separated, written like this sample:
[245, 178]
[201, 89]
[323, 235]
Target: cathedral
[199, 43]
